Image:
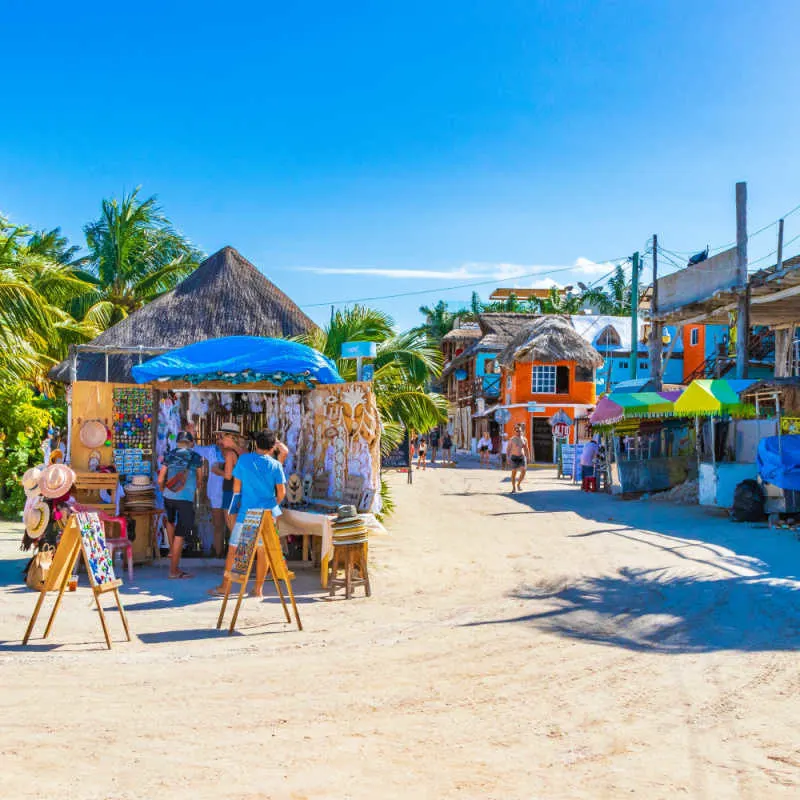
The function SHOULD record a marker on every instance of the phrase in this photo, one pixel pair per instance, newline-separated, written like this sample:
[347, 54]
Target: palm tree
[134, 255]
[438, 320]
[35, 289]
[405, 362]
[559, 302]
[615, 298]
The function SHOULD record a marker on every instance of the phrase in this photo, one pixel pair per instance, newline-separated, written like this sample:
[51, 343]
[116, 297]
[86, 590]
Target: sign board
[258, 527]
[400, 456]
[570, 460]
[359, 349]
[82, 536]
[502, 416]
[561, 430]
[535, 408]
[697, 282]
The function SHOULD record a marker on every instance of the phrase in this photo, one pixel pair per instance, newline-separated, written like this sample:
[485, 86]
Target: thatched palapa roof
[547, 339]
[225, 296]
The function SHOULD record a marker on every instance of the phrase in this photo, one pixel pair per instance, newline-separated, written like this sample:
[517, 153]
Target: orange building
[548, 368]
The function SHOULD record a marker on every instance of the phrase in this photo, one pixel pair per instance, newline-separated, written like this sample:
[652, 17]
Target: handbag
[38, 567]
[177, 481]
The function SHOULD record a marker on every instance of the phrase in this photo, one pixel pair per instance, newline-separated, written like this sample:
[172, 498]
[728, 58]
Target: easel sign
[258, 527]
[83, 535]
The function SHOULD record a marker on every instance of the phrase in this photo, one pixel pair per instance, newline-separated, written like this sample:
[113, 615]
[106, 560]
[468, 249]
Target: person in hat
[258, 482]
[232, 446]
[177, 480]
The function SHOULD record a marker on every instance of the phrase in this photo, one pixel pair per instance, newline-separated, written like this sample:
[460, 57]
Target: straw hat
[57, 456]
[229, 427]
[56, 480]
[36, 517]
[139, 483]
[30, 480]
[346, 514]
[93, 433]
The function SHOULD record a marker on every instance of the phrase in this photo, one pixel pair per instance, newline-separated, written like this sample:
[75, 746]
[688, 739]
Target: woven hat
[346, 514]
[229, 427]
[139, 483]
[93, 433]
[30, 480]
[56, 480]
[36, 517]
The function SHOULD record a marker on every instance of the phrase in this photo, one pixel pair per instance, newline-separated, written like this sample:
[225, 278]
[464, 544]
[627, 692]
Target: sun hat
[346, 513]
[56, 480]
[139, 483]
[36, 517]
[57, 456]
[229, 427]
[30, 480]
[93, 433]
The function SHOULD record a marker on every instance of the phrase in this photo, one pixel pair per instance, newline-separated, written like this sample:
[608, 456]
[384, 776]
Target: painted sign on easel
[258, 526]
[82, 536]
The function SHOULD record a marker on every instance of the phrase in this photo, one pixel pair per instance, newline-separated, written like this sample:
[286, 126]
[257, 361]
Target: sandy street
[546, 645]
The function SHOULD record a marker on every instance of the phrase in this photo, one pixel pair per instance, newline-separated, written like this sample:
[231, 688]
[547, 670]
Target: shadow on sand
[737, 588]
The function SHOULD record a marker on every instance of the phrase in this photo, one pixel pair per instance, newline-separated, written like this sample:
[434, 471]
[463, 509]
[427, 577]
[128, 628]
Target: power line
[541, 274]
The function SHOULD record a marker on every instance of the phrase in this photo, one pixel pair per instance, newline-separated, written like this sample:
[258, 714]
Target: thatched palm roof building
[549, 339]
[225, 296]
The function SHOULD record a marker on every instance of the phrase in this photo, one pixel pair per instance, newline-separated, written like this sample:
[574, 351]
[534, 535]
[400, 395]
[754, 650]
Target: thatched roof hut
[548, 339]
[225, 296]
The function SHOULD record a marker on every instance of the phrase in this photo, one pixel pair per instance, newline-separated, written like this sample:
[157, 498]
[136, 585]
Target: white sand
[547, 645]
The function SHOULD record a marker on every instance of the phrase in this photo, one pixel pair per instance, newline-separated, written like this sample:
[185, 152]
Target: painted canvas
[94, 543]
[247, 540]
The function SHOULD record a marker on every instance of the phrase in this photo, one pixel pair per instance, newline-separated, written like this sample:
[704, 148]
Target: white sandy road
[546, 645]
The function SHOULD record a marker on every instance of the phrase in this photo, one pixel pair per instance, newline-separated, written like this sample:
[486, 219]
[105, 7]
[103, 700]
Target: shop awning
[241, 360]
[621, 405]
[704, 398]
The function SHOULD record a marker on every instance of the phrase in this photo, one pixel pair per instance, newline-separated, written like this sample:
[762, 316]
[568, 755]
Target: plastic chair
[121, 543]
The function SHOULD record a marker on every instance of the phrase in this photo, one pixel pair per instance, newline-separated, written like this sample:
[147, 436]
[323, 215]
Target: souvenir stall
[727, 436]
[649, 446]
[331, 428]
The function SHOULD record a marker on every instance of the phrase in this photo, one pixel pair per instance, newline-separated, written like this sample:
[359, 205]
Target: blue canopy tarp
[241, 360]
[778, 461]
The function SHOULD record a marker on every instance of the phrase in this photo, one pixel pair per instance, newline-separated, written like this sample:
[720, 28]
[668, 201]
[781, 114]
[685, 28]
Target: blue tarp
[780, 466]
[241, 360]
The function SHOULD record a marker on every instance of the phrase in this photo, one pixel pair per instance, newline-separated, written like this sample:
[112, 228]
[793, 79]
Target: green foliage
[24, 420]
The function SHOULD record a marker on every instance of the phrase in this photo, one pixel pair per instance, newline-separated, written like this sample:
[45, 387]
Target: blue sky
[366, 149]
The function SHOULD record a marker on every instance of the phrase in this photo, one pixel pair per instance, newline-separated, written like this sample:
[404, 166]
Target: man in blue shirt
[178, 479]
[258, 482]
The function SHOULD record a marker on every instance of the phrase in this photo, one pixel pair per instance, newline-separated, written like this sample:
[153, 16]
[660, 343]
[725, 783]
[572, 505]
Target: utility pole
[743, 313]
[779, 264]
[634, 363]
[655, 324]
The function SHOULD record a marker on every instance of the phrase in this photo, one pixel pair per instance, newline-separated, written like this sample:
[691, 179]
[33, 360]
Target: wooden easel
[72, 545]
[258, 526]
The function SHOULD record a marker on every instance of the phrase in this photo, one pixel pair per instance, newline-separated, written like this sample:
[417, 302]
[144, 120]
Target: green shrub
[24, 420]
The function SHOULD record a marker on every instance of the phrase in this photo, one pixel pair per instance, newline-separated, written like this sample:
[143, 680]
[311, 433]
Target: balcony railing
[487, 386]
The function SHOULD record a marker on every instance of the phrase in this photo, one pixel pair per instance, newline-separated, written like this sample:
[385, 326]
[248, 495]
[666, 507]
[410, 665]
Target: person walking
[258, 482]
[504, 450]
[177, 480]
[485, 448]
[434, 439]
[447, 447]
[423, 452]
[518, 455]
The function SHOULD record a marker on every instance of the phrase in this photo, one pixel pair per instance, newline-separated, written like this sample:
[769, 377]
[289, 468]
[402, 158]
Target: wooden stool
[349, 558]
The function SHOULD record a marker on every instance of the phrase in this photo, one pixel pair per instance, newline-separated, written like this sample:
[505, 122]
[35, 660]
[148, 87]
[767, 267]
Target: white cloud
[502, 272]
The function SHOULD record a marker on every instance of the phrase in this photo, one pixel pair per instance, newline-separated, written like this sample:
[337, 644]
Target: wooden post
[779, 263]
[743, 315]
[634, 362]
[655, 325]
